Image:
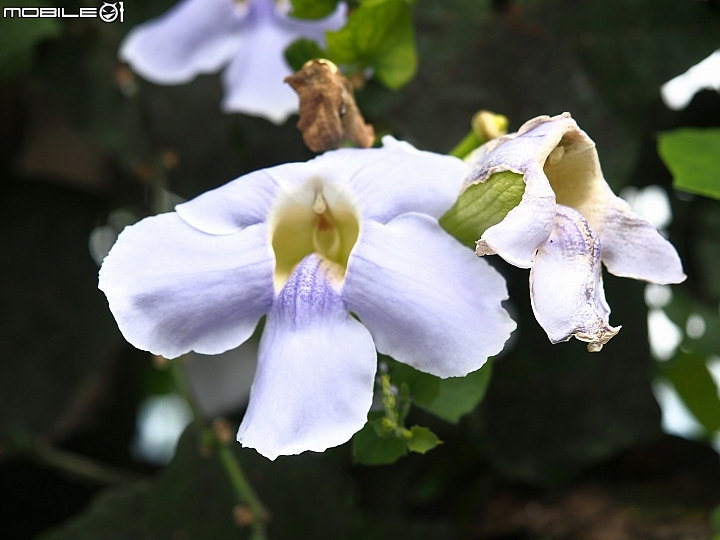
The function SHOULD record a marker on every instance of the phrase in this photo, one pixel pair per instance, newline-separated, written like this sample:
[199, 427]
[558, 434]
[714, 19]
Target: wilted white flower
[345, 256]
[247, 36]
[567, 222]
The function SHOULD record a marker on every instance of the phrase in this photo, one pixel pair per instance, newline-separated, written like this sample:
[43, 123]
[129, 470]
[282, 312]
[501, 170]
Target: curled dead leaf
[329, 115]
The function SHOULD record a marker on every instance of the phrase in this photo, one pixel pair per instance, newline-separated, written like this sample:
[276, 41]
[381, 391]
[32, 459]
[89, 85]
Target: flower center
[316, 218]
[574, 174]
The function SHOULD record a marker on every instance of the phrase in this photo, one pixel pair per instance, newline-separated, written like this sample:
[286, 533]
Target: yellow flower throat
[316, 219]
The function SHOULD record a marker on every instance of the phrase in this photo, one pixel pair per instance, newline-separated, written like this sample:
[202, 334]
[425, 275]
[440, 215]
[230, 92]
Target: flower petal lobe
[173, 289]
[196, 36]
[633, 247]
[427, 301]
[316, 369]
[566, 283]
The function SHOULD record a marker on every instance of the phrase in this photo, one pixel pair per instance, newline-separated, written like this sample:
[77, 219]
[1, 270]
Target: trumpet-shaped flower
[247, 36]
[344, 255]
[567, 222]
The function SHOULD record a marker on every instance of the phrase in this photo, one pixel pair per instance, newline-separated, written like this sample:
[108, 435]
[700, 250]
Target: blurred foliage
[19, 37]
[193, 499]
[378, 37]
[693, 156]
[312, 9]
[57, 333]
[696, 387]
[379, 34]
[547, 416]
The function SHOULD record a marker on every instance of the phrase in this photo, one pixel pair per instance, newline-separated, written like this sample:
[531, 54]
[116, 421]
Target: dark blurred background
[566, 444]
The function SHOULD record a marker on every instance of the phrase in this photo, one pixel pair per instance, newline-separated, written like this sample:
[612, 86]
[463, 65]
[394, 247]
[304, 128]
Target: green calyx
[483, 205]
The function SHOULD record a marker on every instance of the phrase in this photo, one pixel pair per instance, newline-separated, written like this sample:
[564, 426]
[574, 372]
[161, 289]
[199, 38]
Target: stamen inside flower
[317, 218]
[573, 170]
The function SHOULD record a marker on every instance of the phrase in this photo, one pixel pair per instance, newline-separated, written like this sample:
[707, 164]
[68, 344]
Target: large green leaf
[378, 34]
[18, 36]
[693, 157]
[483, 205]
[696, 387]
[193, 500]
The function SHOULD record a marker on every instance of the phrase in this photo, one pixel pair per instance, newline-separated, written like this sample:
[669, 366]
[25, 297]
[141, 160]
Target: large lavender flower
[249, 36]
[352, 232]
[567, 222]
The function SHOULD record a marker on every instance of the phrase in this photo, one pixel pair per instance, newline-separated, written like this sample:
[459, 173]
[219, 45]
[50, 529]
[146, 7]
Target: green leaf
[715, 519]
[378, 34]
[460, 395]
[683, 306]
[693, 157]
[312, 9]
[424, 387]
[483, 205]
[371, 446]
[193, 499]
[695, 386]
[302, 50]
[19, 37]
[450, 398]
[422, 440]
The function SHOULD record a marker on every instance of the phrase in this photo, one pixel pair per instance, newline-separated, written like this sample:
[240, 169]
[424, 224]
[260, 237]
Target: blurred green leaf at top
[693, 157]
[301, 51]
[19, 36]
[312, 9]
[379, 34]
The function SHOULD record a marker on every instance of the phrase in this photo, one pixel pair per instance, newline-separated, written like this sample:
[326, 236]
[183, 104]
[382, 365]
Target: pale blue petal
[238, 204]
[254, 81]
[394, 179]
[195, 36]
[314, 382]
[427, 300]
[381, 182]
[633, 247]
[566, 283]
[173, 289]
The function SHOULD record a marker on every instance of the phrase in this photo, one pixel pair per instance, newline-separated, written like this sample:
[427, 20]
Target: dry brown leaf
[329, 115]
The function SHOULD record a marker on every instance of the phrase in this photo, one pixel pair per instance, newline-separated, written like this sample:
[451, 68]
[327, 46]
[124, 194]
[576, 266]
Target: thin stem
[467, 145]
[19, 443]
[242, 488]
[244, 491]
[81, 467]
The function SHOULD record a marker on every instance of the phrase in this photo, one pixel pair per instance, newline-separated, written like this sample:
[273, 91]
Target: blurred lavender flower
[567, 222]
[247, 36]
[352, 231]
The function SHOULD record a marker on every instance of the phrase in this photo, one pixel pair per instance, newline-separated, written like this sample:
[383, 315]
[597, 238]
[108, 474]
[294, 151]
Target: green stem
[467, 145]
[81, 467]
[244, 492]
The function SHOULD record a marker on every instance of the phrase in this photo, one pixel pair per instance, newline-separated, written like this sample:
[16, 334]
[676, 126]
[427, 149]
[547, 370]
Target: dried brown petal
[329, 115]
